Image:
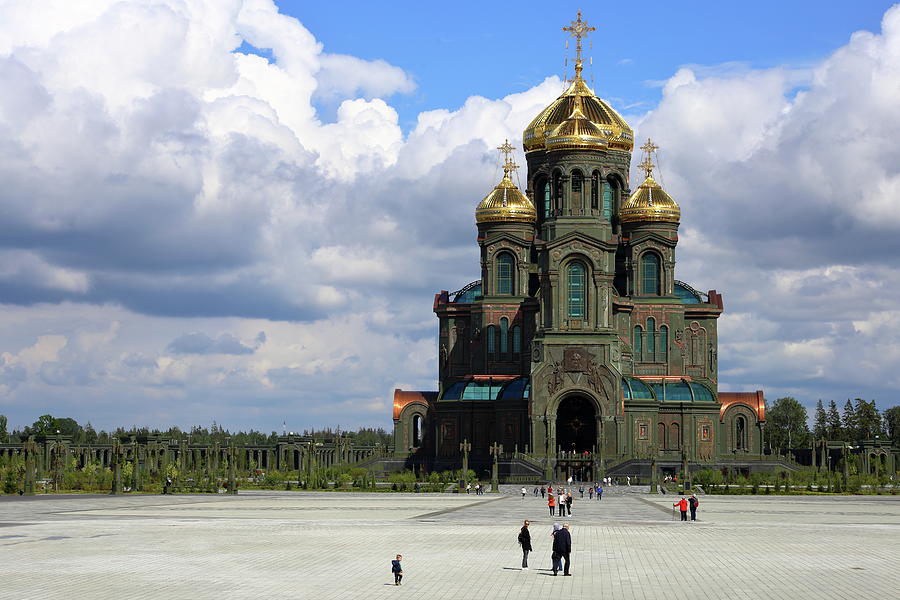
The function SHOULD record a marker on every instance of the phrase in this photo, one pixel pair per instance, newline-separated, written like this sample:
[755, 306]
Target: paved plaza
[321, 545]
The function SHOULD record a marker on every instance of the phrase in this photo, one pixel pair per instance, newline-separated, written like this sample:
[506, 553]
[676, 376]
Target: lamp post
[465, 447]
[496, 450]
[232, 480]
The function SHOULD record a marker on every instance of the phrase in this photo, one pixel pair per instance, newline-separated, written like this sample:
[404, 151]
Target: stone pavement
[323, 546]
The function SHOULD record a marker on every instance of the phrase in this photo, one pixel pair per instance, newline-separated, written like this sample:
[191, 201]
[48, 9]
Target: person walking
[525, 542]
[556, 557]
[397, 570]
[551, 502]
[569, 504]
[543, 491]
[599, 492]
[591, 493]
[524, 491]
[683, 507]
[562, 548]
[581, 491]
[693, 503]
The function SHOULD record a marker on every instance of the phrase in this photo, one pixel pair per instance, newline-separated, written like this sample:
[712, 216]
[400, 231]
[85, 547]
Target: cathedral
[578, 350]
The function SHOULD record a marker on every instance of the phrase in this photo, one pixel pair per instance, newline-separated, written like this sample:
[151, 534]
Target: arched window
[740, 433]
[417, 431]
[637, 342]
[575, 276]
[674, 437]
[504, 335]
[517, 339]
[663, 343]
[595, 190]
[548, 199]
[651, 338]
[577, 185]
[650, 274]
[491, 339]
[609, 196]
[505, 278]
[661, 435]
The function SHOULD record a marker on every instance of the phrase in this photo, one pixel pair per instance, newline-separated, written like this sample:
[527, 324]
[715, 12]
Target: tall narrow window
[517, 339]
[548, 199]
[675, 436]
[663, 343]
[651, 338]
[491, 339]
[576, 202]
[650, 274]
[505, 264]
[607, 200]
[504, 335]
[557, 192]
[576, 292]
[740, 433]
[595, 190]
[638, 346]
[417, 431]
[661, 435]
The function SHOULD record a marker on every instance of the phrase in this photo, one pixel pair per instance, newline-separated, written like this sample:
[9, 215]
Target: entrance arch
[576, 424]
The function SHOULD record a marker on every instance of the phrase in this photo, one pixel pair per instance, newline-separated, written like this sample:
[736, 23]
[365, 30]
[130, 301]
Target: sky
[238, 211]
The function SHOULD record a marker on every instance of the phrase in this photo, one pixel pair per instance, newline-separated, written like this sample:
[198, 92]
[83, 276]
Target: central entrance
[576, 425]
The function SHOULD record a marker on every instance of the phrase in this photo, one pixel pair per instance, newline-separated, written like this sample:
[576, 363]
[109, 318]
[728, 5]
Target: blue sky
[493, 48]
[192, 233]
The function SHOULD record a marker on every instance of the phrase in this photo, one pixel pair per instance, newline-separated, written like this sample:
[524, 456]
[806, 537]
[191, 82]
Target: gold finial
[578, 29]
[508, 163]
[647, 164]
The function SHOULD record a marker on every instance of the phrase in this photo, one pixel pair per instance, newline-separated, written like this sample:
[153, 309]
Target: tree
[787, 424]
[835, 429]
[850, 432]
[820, 429]
[868, 420]
[3, 432]
[892, 424]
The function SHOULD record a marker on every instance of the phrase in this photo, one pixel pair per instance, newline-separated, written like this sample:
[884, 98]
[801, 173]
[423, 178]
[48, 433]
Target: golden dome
[650, 203]
[615, 131]
[506, 203]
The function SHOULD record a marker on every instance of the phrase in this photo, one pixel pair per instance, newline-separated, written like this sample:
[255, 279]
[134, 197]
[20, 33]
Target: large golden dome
[613, 128]
[506, 203]
[650, 203]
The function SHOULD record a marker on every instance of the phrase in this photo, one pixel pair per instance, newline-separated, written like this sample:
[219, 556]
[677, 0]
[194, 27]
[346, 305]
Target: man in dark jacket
[562, 546]
[525, 542]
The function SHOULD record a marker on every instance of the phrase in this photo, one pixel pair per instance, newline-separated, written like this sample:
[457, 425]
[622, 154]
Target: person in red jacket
[551, 502]
[683, 507]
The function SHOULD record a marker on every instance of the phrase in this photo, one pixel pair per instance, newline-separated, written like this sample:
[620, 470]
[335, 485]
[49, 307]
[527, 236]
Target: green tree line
[787, 423]
[50, 425]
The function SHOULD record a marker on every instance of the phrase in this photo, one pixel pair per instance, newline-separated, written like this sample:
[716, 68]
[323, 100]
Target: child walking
[396, 569]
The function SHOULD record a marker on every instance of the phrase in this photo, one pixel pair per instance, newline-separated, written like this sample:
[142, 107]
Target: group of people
[479, 489]
[562, 547]
[685, 504]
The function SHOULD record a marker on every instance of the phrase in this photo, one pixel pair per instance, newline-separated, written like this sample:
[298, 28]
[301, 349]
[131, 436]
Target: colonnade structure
[158, 456]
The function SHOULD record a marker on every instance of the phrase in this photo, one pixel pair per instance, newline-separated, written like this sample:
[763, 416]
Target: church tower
[578, 151]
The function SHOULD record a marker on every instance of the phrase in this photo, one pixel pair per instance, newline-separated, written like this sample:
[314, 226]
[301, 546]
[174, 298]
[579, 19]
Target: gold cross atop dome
[509, 164]
[647, 164]
[578, 29]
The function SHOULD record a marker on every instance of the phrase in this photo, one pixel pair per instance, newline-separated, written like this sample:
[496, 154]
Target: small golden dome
[615, 131]
[506, 203]
[576, 132]
[650, 203]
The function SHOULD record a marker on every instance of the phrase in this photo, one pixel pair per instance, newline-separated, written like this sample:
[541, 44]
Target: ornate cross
[578, 29]
[509, 164]
[647, 164]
